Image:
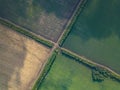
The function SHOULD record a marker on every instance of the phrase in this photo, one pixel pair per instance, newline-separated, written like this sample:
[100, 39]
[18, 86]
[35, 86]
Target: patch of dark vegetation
[26, 33]
[98, 73]
[96, 76]
[46, 70]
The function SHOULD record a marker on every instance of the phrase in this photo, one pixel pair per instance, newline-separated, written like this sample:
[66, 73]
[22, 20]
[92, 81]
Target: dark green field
[96, 33]
[67, 74]
[43, 17]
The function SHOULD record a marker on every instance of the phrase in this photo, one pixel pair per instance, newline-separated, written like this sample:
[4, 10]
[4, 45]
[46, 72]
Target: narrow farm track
[26, 30]
[90, 61]
[70, 20]
[56, 45]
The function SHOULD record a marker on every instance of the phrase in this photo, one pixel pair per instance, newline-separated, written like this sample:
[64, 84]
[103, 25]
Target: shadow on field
[11, 61]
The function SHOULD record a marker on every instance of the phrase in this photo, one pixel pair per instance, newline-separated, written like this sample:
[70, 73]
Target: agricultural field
[47, 18]
[96, 33]
[67, 74]
[33, 57]
[21, 60]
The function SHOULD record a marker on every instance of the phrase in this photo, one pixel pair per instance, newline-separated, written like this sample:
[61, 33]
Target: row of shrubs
[98, 73]
[68, 29]
[26, 33]
[46, 70]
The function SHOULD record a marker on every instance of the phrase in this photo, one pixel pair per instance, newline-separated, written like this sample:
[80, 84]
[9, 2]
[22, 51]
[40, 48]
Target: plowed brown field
[21, 60]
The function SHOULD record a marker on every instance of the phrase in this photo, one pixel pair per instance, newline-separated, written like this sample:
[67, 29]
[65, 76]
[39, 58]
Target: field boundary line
[45, 69]
[43, 66]
[29, 34]
[41, 70]
[25, 29]
[70, 22]
[88, 61]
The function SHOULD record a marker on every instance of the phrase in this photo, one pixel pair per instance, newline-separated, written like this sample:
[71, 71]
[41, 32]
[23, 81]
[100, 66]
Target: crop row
[68, 29]
[26, 33]
[98, 73]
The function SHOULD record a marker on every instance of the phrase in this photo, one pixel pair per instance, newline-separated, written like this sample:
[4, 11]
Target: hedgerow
[46, 70]
[26, 33]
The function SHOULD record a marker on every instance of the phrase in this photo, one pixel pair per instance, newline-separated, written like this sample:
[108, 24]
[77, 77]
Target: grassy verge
[68, 29]
[46, 70]
[26, 33]
[98, 73]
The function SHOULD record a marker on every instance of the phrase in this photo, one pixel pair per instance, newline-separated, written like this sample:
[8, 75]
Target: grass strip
[102, 73]
[46, 70]
[26, 33]
[74, 18]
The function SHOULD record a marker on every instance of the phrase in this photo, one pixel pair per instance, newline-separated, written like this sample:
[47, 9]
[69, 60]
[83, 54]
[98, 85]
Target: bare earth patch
[21, 60]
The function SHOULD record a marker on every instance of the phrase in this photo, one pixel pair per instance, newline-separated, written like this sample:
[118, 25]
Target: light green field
[66, 74]
[96, 33]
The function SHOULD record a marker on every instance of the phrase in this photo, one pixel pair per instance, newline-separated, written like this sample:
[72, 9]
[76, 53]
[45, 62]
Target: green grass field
[43, 17]
[96, 33]
[67, 74]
